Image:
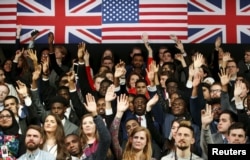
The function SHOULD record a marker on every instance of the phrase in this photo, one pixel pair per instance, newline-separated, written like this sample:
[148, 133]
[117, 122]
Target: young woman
[94, 135]
[11, 143]
[138, 146]
[54, 137]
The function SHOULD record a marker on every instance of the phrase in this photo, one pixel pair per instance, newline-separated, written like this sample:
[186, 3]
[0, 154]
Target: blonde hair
[129, 153]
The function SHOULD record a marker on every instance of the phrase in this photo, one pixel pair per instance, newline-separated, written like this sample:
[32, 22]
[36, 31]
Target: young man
[184, 140]
[237, 133]
[33, 139]
[73, 145]
[226, 119]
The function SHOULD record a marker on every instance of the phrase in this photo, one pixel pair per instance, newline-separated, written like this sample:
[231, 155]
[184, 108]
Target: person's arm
[122, 106]
[41, 112]
[79, 108]
[196, 101]
[120, 72]
[104, 135]
[18, 34]
[206, 137]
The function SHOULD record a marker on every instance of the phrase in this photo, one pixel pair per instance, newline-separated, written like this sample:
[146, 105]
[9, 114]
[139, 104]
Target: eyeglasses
[231, 66]
[215, 90]
[5, 116]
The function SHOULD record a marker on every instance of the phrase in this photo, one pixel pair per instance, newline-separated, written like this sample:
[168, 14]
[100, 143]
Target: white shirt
[143, 121]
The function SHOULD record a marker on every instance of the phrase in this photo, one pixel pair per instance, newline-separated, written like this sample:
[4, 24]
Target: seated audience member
[139, 135]
[137, 65]
[9, 136]
[94, 135]
[184, 139]
[237, 133]
[12, 90]
[226, 119]
[73, 145]
[54, 137]
[131, 123]
[33, 140]
[4, 91]
[70, 112]
[244, 65]
[7, 66]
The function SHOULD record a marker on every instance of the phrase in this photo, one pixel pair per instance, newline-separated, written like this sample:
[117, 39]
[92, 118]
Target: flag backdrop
[124, 21]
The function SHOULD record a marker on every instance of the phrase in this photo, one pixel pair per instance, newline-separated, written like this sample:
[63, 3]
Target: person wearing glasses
[11, 142]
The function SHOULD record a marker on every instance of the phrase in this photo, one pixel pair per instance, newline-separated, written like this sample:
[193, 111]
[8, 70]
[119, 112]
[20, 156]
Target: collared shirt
[143, 121]
[63, 121]
[37, 155]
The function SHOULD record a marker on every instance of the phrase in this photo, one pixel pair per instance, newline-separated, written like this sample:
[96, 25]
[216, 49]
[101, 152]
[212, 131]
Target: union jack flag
[208, 19]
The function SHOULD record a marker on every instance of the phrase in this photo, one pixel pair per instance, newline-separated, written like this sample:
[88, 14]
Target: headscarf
[13, 128]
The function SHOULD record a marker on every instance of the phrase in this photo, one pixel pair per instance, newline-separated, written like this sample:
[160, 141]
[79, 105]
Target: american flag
[8, 17]
[124, 21]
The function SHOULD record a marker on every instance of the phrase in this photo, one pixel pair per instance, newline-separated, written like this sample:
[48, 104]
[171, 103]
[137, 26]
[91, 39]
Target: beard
[31, 146]
[182, 146]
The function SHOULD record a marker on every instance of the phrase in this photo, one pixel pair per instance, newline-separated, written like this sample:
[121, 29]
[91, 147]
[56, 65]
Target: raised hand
[18, 30]
[224, 77]
[51, 38]
[226, 57]
[86, 58]
[81, 50]
[206, 116]
[110, 94]
[179, 57]
[91, 104]
[122, 103]
[19, 53]
[217, 43]
[36, 74]
[238, 88]
[21, 88]
[45, 66]
[180, 46]
[198, 60]
[144, 37]
[150, 73]
[173, 37]
[120, 69]
[152, 102]
[71, 76]
[32, 55]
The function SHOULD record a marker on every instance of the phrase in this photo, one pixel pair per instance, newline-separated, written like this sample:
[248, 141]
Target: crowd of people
[145, 110]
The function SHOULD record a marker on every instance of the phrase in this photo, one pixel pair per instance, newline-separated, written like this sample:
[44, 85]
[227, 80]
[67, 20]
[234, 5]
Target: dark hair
[203, 84]
[62, 88]
[170, 64]
[37, 128]
[13, 128]
[140, 96]
[59, 137]
[11, 97]
[171, 80]
[138, 55]
[186, 126]
[232, 60]
[72, 134]
[233, 116]
[140, 81]
[237, 125]
[106, 81]
[129, 76]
